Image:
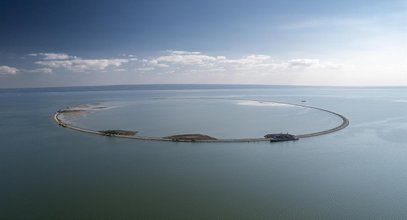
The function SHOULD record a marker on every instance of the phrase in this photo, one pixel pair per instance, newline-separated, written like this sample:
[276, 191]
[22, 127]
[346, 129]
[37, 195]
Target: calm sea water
[47, 172]
[221, 117]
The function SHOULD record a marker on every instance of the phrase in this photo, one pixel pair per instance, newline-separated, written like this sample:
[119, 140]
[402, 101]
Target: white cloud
[7, 70]
[303, 63]
[185, 58]
[83, 65]
[77, 64]
[198, 67]
[312, 64]
[52, 56]
[197, 61]
[193, 67]
[155, 63]
[248, 60]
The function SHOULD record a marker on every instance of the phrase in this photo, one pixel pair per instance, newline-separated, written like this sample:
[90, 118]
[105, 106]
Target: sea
[51, 172]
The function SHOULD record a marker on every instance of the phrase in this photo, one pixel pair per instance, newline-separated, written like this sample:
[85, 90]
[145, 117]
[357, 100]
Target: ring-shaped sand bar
[344, 124]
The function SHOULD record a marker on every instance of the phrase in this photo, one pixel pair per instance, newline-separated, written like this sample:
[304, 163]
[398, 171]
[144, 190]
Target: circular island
[273, 137]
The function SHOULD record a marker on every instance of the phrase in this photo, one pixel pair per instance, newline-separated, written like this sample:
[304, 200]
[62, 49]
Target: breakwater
[344, 124]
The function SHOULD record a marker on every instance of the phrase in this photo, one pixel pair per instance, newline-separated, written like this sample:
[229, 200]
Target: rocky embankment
[118, 132]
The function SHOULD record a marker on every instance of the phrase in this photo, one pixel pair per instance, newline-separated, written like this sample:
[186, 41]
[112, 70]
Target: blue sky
[68, 43]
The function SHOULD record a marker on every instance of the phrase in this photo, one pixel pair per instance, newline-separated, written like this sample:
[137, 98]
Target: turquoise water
[48, 172]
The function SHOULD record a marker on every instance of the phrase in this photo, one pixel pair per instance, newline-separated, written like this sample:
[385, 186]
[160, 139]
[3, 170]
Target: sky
[48, 43]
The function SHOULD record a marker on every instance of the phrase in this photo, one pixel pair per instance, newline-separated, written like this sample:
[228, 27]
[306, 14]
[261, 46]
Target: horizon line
[197, 84]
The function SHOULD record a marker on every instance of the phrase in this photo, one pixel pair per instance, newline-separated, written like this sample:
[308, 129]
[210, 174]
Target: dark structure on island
[281, 137]
[276, 137]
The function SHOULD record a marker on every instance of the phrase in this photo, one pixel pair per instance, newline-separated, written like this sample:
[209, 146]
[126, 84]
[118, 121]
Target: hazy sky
[315, 42]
